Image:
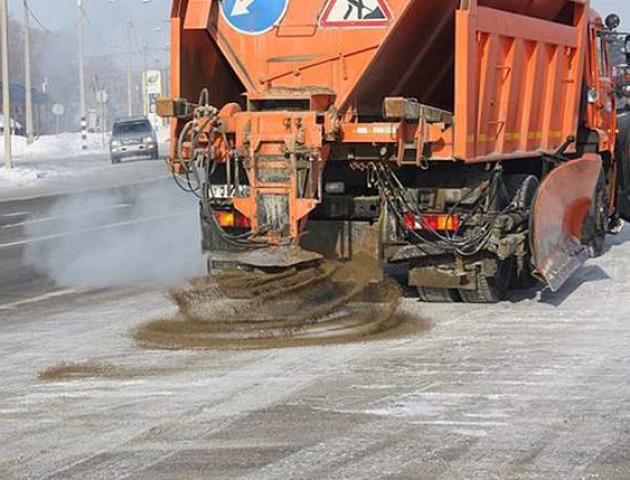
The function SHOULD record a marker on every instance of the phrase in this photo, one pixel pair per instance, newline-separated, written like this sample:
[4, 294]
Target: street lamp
[6, 100]
[27, 75]
[83, 108]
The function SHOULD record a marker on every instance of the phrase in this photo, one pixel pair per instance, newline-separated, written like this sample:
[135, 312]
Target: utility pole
[6, 99]
[83, 108]
[129, 76]
[27, 75]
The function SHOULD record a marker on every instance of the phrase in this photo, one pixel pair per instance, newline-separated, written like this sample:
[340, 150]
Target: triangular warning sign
[355, 13]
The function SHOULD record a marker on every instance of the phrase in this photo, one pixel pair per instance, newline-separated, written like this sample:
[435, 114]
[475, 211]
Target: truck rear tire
[437, 295]
[492, 288]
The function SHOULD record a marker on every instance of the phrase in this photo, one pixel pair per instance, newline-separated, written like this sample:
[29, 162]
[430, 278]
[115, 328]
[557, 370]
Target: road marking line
[61, 192]
[41, 298]
[57, 217]
[16, 214]
[88, 230]
[449, 423]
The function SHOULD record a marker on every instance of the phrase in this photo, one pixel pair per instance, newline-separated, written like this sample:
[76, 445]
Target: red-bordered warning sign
[356, 13]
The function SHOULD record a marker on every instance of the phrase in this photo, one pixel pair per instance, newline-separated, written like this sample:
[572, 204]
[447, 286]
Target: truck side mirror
[627, 49]
[613, 21]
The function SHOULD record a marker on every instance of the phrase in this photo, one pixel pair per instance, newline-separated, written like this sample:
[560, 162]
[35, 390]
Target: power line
[142, 44]
[133, 52]
[63, 31]
[66, 31]
[97, 34]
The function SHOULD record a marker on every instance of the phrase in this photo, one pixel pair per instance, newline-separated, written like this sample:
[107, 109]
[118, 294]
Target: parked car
[133, 137]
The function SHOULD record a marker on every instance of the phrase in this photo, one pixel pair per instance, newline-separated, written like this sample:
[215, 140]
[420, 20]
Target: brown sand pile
[72, 371]
[333, 302]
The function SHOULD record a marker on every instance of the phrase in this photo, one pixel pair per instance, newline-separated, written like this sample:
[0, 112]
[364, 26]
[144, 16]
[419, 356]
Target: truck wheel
[437, 295]
[596, 222]
[522, 190]
[493, 288]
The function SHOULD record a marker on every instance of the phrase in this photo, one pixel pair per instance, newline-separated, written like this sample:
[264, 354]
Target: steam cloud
[156, 240]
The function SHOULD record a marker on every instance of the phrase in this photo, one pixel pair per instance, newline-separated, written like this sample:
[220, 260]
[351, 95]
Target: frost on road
[537, 387]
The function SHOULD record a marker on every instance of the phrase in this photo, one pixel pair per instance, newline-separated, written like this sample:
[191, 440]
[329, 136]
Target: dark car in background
[132, 138]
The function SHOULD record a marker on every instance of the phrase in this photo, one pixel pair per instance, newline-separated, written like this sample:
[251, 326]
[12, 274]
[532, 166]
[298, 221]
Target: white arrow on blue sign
[253, 17]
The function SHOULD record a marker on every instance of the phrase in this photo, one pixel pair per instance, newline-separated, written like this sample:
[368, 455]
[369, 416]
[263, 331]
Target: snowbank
[52, 156]
[164, 135]
[60, 156]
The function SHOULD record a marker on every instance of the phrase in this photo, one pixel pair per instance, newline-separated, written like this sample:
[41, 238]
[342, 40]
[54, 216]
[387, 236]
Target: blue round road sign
[253, 17]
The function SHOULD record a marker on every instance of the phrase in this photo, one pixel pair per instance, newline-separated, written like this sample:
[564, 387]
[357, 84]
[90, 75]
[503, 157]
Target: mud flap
[563, 201]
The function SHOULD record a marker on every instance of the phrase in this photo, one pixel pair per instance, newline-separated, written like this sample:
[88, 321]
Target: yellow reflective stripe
[513, 136]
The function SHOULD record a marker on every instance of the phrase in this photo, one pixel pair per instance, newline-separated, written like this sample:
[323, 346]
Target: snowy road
[535, 388]
[37, 224]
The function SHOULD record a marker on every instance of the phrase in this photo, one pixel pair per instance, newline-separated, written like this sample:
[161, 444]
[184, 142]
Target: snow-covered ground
[58, 157]
[534, 389]
[52, 156]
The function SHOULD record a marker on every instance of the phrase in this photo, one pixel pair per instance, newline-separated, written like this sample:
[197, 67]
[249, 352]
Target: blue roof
[18, 94]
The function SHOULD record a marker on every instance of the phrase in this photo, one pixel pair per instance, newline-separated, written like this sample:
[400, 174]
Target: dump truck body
[464, 138]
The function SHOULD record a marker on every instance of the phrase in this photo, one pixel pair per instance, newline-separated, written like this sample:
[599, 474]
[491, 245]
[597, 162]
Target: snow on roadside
[163, 135]
[52, 156]
[60, 156]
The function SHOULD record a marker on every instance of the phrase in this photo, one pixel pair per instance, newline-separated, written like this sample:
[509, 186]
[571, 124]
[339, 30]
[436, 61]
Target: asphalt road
[534, 388]
[41, 223]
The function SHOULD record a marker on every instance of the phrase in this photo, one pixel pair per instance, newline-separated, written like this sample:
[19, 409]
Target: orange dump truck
[471, 140]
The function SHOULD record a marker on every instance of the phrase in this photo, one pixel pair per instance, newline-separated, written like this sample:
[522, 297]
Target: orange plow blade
[563, 201]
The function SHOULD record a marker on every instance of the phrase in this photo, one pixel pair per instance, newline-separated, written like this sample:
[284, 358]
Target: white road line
[57, 217]
[16, 214]
[449, 423]
[60, 192]
[41, 298]
[88, 230]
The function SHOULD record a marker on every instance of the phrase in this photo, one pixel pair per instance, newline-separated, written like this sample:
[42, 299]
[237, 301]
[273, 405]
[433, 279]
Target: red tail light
[241, 221]
[410, 221]
[231, 219]
[439, 222]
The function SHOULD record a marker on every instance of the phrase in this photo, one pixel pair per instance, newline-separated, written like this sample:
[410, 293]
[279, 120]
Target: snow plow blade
[562, 203]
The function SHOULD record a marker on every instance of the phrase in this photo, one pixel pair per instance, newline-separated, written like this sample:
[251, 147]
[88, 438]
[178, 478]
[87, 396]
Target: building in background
[41, 110]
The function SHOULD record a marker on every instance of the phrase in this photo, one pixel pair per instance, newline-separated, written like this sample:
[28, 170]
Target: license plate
[225, 191]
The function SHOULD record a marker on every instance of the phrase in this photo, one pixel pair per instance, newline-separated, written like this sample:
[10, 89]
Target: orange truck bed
[509, 71]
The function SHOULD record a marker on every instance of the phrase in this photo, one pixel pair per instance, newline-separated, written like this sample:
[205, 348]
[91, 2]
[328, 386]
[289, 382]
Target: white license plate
[223, 191]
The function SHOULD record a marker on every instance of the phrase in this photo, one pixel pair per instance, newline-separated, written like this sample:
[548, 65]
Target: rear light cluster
[231, 219]
[439, 222]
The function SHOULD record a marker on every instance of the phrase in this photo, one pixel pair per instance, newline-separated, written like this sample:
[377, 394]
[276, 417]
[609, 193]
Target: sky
[105, 29]
[105, 34]
[620, 7]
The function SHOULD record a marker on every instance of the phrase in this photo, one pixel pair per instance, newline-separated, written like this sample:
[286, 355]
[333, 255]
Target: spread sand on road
[90, 369]
[329, 303]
